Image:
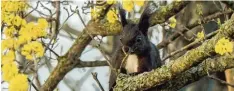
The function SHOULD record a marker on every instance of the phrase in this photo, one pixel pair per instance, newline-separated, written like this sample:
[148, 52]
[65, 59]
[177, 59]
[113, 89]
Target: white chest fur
[132, 63]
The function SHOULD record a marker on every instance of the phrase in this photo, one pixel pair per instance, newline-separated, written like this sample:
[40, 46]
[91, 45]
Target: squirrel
[143, 56]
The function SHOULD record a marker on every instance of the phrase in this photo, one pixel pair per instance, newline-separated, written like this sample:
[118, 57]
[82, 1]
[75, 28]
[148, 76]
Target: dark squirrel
[143, 55]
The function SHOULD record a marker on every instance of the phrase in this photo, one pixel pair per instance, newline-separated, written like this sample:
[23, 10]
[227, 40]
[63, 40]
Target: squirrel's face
[134, 36]
[133, 40]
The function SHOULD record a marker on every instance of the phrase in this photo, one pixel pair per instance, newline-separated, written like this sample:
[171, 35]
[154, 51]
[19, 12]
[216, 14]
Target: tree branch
[164, 43]
[71, 59]
[183, 63]
[212, 65]
[92, 64]
[165, 12]
[159, 16]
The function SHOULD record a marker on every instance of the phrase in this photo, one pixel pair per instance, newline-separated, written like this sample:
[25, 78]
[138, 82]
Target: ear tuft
[122, 16]
[144, 20]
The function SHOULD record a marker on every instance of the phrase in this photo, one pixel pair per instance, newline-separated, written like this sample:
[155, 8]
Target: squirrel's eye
[138, 39]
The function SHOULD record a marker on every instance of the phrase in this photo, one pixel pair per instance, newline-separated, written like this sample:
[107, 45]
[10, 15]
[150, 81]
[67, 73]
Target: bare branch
[92, 64]
[34, 86]
[96, 79]
[189, 46]
[221, 81]
[175, 35]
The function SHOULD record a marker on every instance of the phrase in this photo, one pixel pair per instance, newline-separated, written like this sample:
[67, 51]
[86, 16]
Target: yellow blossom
[17, 21]
[111, 16]
[32, 49]
[32, 31]
[38, 31]
[200, 35]
[128, 5]
[8, 57]
[139, 2]
[94, 13]
[10, 9]
[10, 32]
[8, 19]
[9, 70]
[19, 83]
[111, 1]
[42, 23]
[8, 43]
[172, 21]
[223, 46]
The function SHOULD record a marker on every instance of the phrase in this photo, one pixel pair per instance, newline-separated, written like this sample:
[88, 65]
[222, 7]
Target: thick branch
[67, 62]
[92, 64]
[165, 73]
[212, 65]
[159, 16]
[71, 59]
[165, 12]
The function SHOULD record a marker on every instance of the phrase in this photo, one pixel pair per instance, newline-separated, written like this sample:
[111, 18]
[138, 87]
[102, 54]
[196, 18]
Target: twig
[57, 17]
[81, 18]
[175, 35]
[221, 81]
[68, 16]
[189, 45]
[38, 10]
[34, 86]
[47, 47]
[94, 74]
[32, 10]
[37, 80]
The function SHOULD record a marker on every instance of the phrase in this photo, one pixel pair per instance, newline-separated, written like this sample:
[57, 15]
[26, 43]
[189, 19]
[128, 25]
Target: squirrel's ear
[122, 16]
[144, 20]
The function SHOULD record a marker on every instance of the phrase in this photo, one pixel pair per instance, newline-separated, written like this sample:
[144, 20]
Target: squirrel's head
[134, 36]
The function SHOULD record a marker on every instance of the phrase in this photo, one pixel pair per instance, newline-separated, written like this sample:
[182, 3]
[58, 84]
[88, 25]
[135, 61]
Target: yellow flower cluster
[111, 1]
[94, 13]
[10, 9]
[9, 70]
[223, 46]
[8, 57]
[128, 5]
[172, 21]
[112, 16]
[13, 6]
[18, 34]
[19, 83]
[200, 35]
[9, 43]
[32, 49]
[32, 31]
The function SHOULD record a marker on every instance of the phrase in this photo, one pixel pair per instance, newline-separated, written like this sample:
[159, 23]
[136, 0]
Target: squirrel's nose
[130, 50]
